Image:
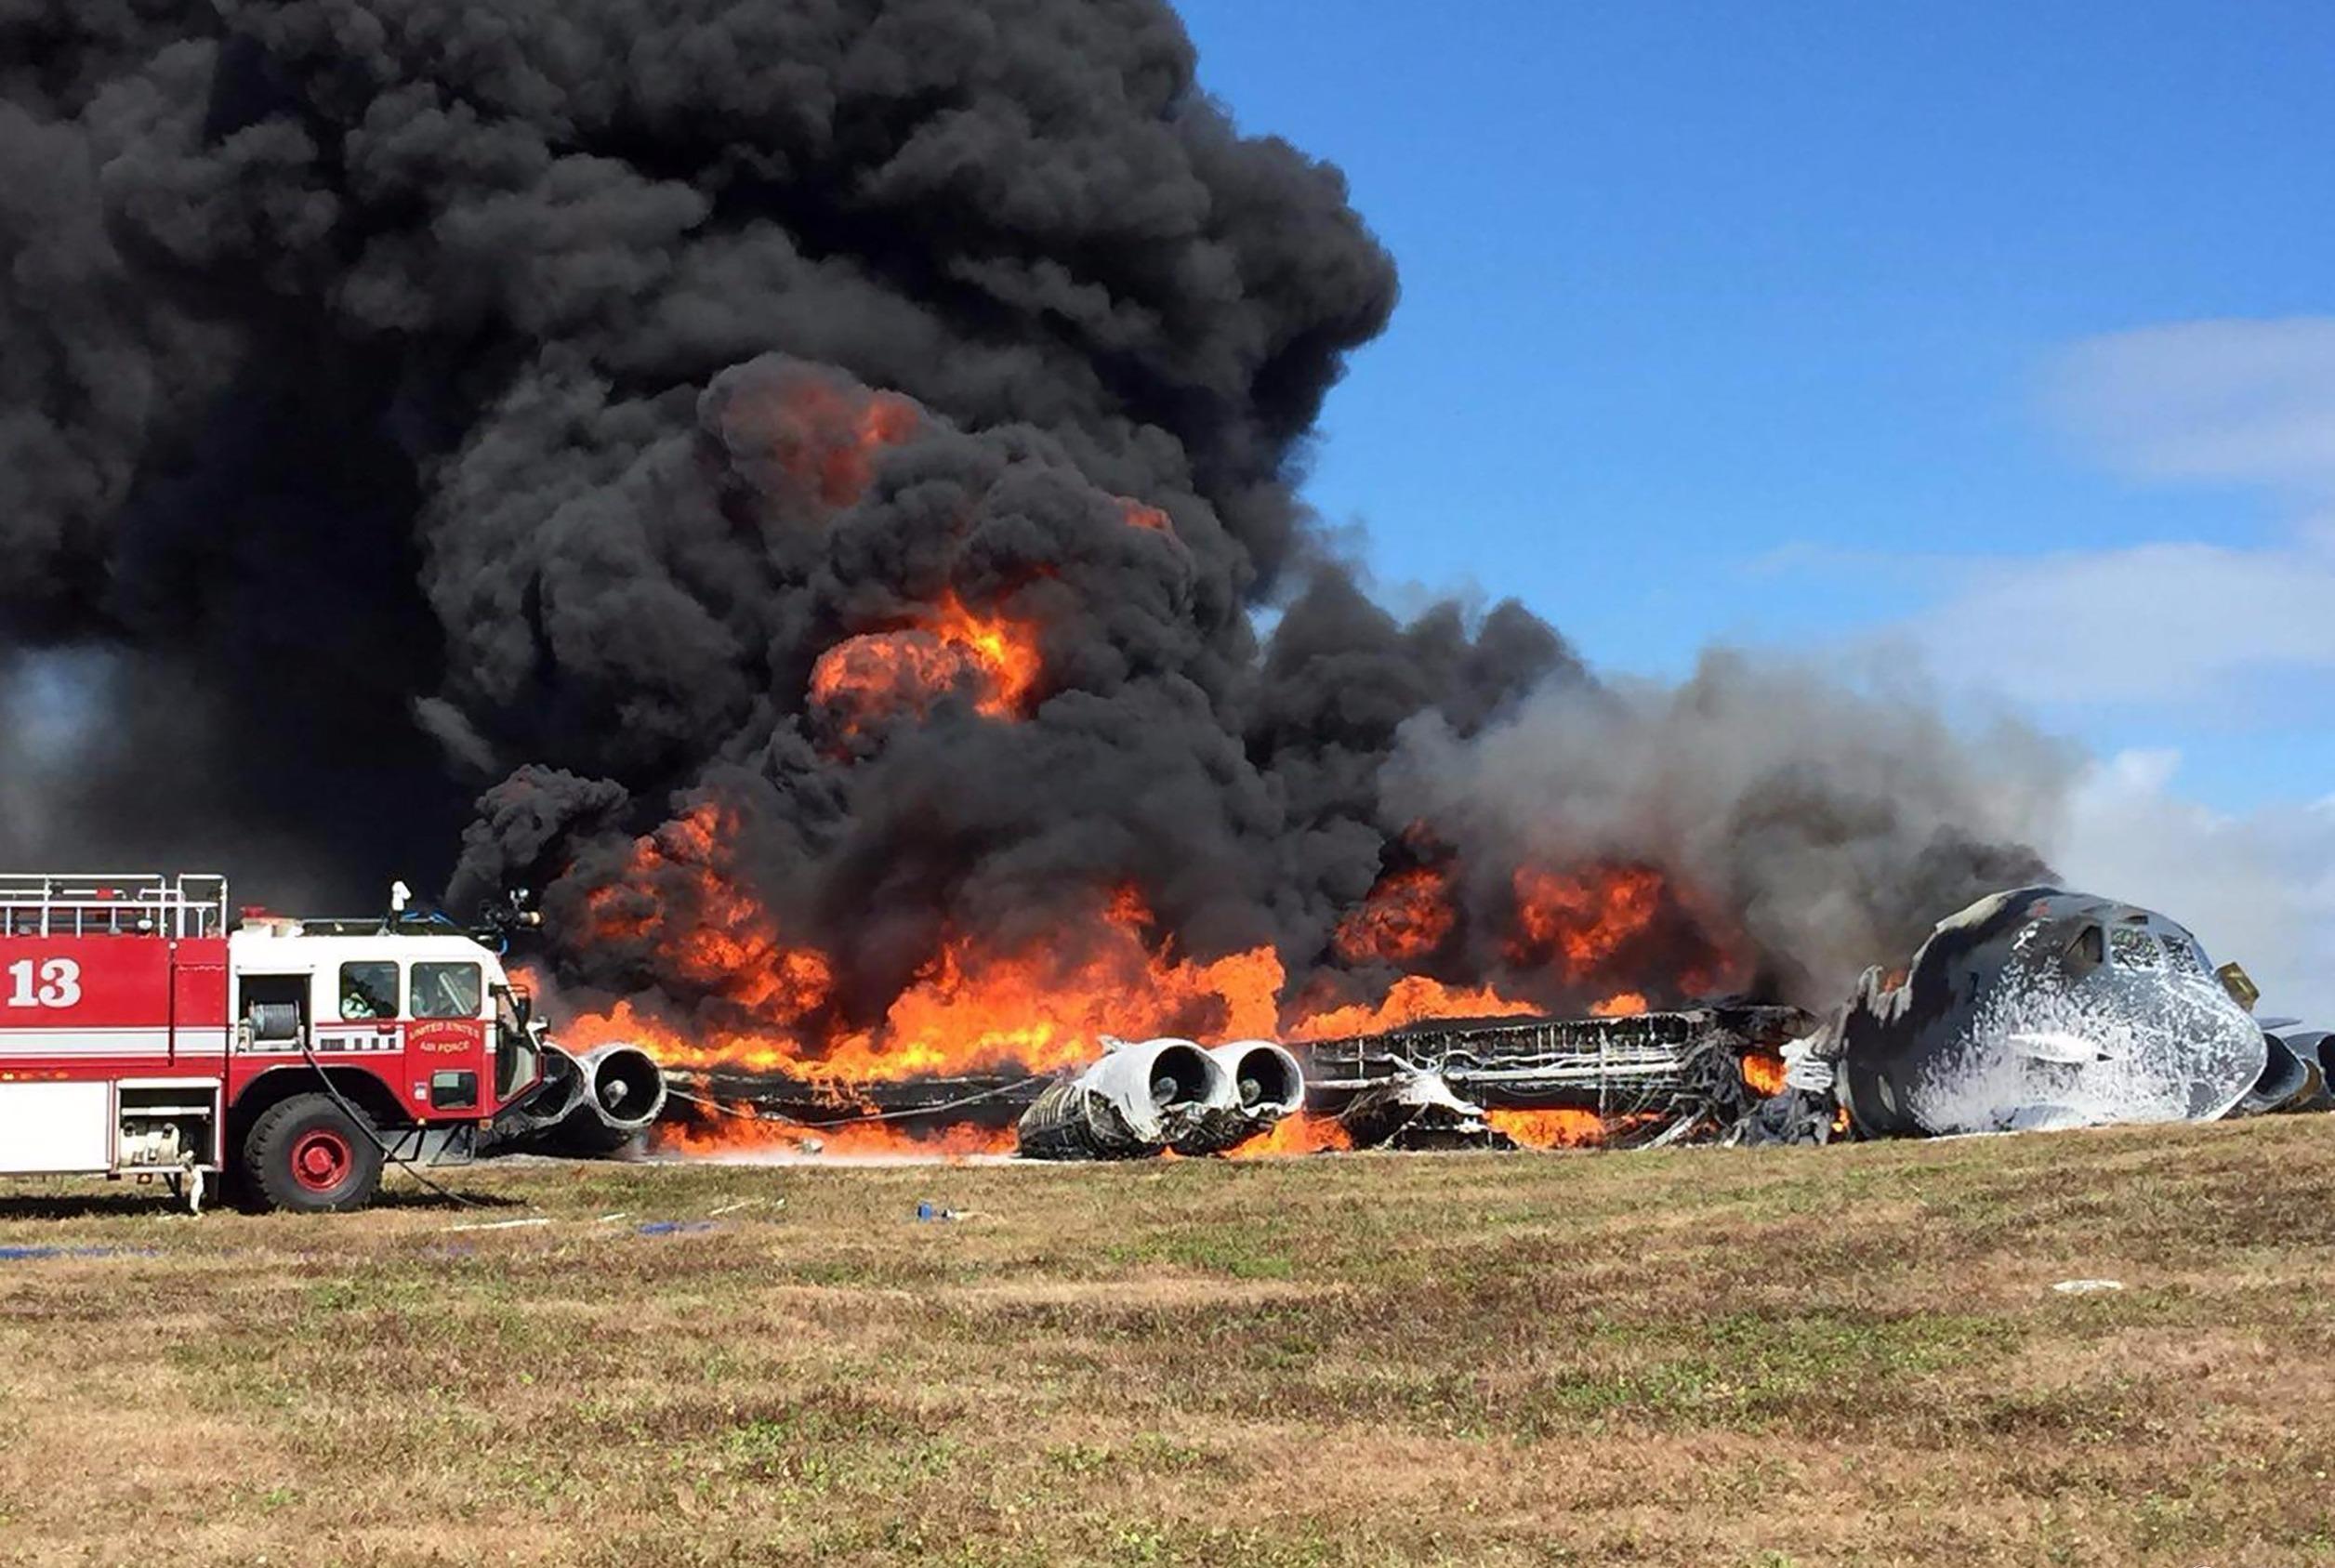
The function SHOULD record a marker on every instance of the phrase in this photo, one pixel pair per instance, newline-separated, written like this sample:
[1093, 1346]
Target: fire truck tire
[308, 1155]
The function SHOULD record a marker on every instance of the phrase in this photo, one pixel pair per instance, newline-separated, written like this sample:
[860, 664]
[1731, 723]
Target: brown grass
[1693, 1357]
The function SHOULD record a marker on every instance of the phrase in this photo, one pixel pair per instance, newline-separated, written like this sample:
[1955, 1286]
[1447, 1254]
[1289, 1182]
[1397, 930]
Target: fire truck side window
[447, 990]
[368, 990]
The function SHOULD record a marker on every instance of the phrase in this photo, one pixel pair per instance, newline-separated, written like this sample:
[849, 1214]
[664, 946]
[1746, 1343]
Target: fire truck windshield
[446, 990]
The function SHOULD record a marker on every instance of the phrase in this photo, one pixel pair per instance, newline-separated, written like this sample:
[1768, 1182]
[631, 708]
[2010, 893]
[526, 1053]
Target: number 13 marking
[59, 983]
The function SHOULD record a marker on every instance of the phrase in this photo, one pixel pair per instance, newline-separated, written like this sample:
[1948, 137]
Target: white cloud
[2249, 401]
[2257, 888]
[2169, 622]
[2166, 622]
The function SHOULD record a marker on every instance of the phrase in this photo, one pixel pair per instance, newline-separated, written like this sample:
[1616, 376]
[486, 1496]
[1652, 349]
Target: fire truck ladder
[133, 904]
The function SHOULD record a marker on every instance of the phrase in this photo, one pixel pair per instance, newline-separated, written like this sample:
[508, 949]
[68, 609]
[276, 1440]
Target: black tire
[308, 1155]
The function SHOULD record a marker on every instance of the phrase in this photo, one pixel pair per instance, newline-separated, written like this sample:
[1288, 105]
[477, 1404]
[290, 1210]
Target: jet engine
[1260, 1083]
[1138, 1099]
[591, 1104]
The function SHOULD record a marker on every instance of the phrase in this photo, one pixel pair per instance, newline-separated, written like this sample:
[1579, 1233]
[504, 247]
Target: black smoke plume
[407, 400]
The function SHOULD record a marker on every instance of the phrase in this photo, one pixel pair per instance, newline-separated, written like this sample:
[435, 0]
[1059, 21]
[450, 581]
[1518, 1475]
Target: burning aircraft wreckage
[811, 489]
[2035, 1008]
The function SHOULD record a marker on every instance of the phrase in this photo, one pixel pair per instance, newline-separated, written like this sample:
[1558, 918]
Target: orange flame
[1582, 920]
[1139, 516]
[1305, 1133]
[765, 1002]
[716, 937]
[734, 1136]
[1763, 1073]
[1411, 999]
[1551, 1129]
[993, 660]
[971, 1008]
[1407, 917]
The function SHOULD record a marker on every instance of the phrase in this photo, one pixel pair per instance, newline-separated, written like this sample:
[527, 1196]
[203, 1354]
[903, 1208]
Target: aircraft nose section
[2176, 1049]
[2139, 1048]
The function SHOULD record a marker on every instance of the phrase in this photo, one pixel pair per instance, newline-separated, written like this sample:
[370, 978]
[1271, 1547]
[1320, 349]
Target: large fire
[727, 983]
[976, 1008]
[1582, 919]
[1304, 1133]
[1411, 999]
[1558, 1128]
[969, 1010]
[740, 1135]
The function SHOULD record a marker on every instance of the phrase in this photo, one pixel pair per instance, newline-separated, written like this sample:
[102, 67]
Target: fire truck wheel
[308, 1155]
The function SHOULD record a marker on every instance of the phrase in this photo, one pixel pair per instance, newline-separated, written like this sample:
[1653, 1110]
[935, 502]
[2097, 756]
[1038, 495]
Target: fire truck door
[446, 1040]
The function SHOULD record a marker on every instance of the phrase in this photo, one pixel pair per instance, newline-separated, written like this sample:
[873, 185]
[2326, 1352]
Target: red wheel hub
[321, 1160]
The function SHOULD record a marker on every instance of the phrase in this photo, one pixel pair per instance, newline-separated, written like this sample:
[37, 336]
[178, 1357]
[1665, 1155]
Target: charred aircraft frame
[1651, 1077]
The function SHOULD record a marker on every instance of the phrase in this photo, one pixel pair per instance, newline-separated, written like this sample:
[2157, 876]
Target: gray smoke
[1831, 825]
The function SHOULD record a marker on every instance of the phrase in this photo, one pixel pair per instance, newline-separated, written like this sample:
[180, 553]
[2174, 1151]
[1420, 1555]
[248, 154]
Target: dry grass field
[1697, 1357]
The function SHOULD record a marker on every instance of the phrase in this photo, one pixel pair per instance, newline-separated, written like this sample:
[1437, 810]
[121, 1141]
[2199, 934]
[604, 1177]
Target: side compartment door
[199, 1032]
[199, 1038]
[56, 1128]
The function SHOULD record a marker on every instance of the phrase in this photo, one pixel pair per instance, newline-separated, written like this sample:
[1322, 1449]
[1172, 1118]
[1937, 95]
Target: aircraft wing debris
[1418, 1111]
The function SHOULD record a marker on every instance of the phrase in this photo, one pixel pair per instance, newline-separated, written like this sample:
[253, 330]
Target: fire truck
[144, 1033]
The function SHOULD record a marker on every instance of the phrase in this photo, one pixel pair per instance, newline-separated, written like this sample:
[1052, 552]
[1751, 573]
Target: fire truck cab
[142, 1033]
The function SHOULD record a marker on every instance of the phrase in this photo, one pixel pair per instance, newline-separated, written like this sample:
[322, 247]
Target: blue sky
[1978, 333]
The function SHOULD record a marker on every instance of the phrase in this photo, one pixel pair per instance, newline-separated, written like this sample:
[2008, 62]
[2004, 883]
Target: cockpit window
[2181, 957]
[2133, 949]
[2087, 952]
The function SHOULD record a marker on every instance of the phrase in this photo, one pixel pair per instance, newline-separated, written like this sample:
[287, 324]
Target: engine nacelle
[590, 1104]
[2310, 1049]
[1138, 1099]
[1261, 1084]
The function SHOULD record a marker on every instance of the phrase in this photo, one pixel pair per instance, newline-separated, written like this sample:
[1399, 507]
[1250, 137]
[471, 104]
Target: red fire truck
[141, 1035]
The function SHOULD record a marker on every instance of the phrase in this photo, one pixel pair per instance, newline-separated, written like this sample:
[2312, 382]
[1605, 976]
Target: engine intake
[1260, 1083]
[591, 1104]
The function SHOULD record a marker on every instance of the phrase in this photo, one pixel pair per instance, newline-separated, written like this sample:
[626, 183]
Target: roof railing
[99, 903]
